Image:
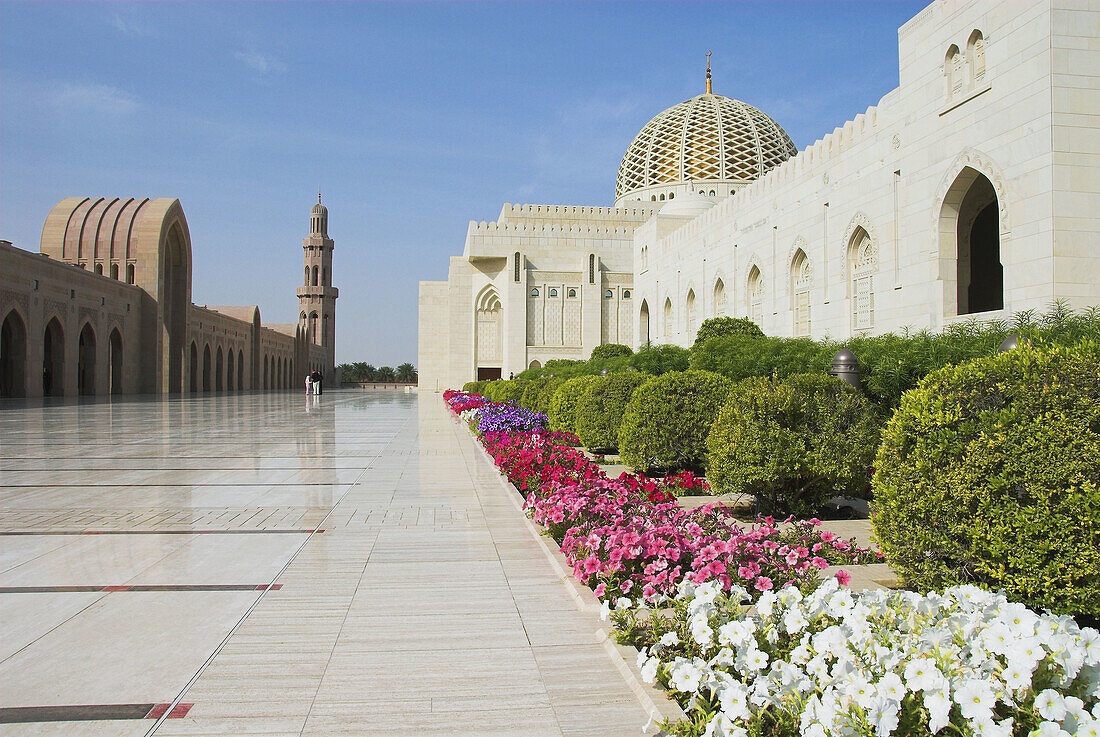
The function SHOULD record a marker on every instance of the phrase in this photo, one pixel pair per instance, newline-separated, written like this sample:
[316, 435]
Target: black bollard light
[846, 368]
[605, 372]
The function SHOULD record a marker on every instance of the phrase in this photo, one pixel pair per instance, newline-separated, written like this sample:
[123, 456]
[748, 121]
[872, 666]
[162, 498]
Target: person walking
[309, 383]
[316, 382]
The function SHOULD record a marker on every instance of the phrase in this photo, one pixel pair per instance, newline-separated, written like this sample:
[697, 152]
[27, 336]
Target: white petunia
[976, 700]
[1051, 705]
[939, 709]
[734, 701]
[921, 674]
[991, 728]
[649, 670]
[883, 713]
[669, 639]
[859, 690]
[1088, 727]
[1050, 729]
[1016, 675]
[891, 687]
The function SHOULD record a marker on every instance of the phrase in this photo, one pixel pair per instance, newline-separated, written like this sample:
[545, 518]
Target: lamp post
[846, 368]
[1009, 343]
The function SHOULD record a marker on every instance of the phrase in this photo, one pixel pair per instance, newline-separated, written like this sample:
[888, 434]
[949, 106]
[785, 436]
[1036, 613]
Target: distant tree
[385, 373]
[406, 372]
[369, 373]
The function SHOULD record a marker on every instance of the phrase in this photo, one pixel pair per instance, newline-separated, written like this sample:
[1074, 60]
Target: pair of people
[313, 382]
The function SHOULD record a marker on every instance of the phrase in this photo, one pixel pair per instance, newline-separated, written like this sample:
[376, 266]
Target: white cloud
[97, 98]
[260, 63]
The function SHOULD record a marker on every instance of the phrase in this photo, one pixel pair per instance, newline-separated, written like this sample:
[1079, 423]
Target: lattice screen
[706, 138]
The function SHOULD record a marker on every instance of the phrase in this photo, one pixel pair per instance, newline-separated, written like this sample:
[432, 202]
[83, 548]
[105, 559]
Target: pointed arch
[643, 324]
[666, 335]
[690, 312]
[230, 375]
[114, 362]
[207, 360]
[240, 370]
[86, 360]
[801, 277]
[719, 300]
[754, 294]
[53, 359]
[13, 355]
[488, 326]
[219, 370]
[194, 367]
[861, 261]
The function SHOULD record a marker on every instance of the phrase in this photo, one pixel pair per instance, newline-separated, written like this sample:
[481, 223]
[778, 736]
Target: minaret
[317, 296]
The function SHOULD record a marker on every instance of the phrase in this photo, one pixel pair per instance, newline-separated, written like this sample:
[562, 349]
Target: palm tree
[406, 372]
[385, 374]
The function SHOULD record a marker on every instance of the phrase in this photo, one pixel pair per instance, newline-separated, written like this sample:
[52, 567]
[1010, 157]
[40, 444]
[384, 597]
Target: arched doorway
[240, 370]
[970, 233]
[173, 303]
[206, 369]
[230, 376]
[194, 372]
[13, 356]
[535, 365]
[219, 371]
[114, 362]
[643, 324]
[488, 346]
[85, 361]
[265, 372]
[53, 359]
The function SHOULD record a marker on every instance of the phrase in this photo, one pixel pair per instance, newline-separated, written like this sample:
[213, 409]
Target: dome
[709, 138]
[318, 209]
[688, 204]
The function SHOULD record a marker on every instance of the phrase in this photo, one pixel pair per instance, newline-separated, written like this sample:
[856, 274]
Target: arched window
[662, 197]
[306, 282]
[645, 257]
[609, 294]
[313, 328]
[671, 195]
[571, 293]
[534, 291]
[653, 198]
[668, 318]
[324, 276]
[114, 271]
[692, 317]
[800, 293]
[712, 193]
[862, 260]
[316, 274]
[99, 269]
[324, 330]
[535, 364]
[553, 292]
[755, 293]
[643, 324]
[953, 70]
[975, 53]
[626, 294]
[720, 303]
[129, 273]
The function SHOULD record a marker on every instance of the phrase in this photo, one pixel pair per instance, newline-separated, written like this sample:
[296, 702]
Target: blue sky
[412, 118]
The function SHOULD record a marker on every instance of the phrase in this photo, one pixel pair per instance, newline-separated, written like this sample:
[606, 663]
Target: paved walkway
[266, 564]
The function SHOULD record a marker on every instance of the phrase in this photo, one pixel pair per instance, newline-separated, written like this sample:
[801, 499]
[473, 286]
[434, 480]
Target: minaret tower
[317, 296]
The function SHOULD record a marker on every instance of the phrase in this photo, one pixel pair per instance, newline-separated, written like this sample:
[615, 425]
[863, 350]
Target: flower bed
[735, 623]
[873, 663]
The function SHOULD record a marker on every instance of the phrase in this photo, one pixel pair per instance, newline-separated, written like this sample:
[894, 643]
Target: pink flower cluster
[629, 537]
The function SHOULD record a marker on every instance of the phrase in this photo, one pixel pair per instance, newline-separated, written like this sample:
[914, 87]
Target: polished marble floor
[282, 565]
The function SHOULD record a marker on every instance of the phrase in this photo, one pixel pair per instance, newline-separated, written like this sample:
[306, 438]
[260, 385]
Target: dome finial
[708, 74]
[318, 195]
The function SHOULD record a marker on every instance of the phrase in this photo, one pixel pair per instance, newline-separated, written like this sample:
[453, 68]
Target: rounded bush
[716, 327]
[530, 397]
[667, 420]
[610, 350]
[660, 359]
[563, 405]
[794, 442]
[510, 390]
[600, 408]
[546, 393]
[989, 473]
[473, 386]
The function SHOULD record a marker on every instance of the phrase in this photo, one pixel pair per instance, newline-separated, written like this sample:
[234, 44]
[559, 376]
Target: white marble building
[971, 190]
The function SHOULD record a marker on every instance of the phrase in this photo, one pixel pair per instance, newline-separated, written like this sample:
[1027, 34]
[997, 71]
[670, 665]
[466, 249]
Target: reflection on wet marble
[407, 595]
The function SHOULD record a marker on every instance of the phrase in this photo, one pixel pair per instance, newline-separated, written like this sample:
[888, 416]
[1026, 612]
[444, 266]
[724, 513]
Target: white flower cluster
[856, 664]
[468, 415]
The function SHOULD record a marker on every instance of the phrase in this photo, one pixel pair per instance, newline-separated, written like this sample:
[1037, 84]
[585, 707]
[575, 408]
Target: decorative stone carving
[983, 164]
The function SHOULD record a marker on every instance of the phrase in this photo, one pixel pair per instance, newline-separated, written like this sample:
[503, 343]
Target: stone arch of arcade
[971, 229]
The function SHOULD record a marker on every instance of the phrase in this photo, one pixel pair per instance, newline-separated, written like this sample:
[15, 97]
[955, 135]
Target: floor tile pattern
[425, 606]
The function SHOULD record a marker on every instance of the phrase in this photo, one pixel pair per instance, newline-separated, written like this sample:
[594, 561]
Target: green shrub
[600, 408]
[660, 359]
[667, 420]
[716, 327]
[792, 443]
[610, 350]
[473, 386]
[530, 398]
[739, 357]
[510, 390]
[563, 405]
[546, 393]
[989, 473]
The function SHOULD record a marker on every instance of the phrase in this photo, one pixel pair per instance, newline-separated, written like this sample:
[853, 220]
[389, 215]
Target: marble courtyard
[267, 564]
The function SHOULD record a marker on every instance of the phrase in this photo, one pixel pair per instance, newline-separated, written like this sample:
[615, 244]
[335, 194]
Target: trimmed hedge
[792, 443]
[739, 357]
[667, 420]
[546, 393]
[600, 408]
[989, 473]
[563, 405]
[610, 350]
[530, 397]
[477, 387]
[716, 327]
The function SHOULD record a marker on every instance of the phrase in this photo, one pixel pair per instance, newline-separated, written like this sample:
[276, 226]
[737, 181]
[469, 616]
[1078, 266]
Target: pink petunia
[763, 583]
[843, 577]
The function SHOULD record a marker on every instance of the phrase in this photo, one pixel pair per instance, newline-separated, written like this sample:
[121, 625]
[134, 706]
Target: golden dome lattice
[705, 139]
